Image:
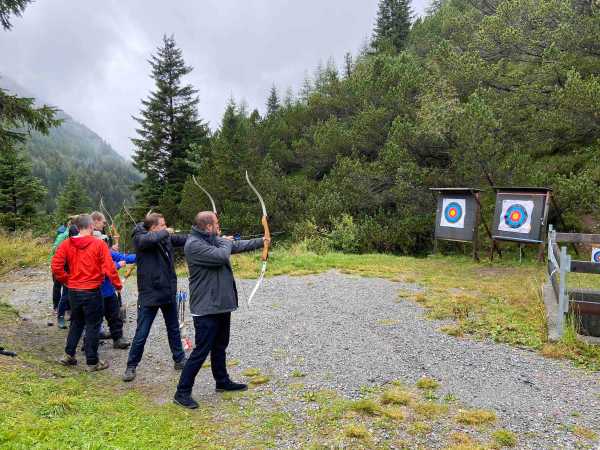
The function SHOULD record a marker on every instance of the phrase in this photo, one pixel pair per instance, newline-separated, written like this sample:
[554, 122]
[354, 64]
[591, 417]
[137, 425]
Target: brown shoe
[101, 365]
[68, 360]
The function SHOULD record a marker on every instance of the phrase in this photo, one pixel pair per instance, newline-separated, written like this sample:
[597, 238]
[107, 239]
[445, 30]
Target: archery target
[516, 216]
[596, 255]
[453, 213]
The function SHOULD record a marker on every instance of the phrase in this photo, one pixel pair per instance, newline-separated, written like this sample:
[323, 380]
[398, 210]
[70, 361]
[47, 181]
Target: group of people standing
[86, 266]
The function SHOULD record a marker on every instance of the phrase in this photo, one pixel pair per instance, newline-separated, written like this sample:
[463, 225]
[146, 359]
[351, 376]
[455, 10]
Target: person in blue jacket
[112, 303]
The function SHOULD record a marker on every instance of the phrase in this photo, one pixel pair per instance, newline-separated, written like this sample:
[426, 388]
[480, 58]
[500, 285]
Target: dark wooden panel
[578, 238]
[585, 301]
[583, 294]
[585, 267]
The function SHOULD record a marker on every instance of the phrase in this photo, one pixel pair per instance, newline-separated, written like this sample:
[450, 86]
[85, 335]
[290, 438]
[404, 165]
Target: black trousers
[56, 292]
[86, 312]
[212, 335]
[111, 313]
[145, 319]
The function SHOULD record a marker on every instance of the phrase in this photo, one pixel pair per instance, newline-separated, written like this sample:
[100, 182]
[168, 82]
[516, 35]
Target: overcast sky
[90, 57]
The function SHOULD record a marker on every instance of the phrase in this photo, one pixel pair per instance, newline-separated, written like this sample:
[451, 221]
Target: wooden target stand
[458, 218]
[521, 216]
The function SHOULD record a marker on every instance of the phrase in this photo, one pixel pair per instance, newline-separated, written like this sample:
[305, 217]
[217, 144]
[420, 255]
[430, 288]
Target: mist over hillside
[74, 148]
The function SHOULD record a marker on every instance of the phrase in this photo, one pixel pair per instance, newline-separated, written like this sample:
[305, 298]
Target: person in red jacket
[89, 261]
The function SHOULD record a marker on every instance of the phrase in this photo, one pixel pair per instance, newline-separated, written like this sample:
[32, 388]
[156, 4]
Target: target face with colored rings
[515, 216]
[453, 212]
[596, 257]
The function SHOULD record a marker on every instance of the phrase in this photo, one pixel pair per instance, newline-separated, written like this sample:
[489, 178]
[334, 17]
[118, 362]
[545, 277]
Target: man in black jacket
[213, 296]
[157, 288]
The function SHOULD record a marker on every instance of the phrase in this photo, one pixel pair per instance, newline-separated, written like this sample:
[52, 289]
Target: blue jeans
[87, 309]
[145, 318]
[63, 303]
[212, 335]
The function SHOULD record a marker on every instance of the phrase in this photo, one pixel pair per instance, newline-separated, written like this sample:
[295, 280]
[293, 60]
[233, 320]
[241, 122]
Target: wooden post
[476, 228]
[563, 296]
[544, 226]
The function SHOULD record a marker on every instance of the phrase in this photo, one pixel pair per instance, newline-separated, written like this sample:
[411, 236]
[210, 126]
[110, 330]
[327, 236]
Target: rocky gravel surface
[347, 333]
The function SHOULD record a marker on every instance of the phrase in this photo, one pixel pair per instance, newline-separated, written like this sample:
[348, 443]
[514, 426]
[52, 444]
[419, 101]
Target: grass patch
[584, 432]
[419, 429]
[297, 373]
[364, 406]
[356, 431]
[393, 412]
[251, 372]
[21, 251]
[430, 410]
[428, 384]
[475, 417]
[259, 379]
[396, 396]
[504, 438]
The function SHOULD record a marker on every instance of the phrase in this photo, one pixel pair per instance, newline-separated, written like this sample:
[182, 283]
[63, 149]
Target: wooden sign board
[521, 214]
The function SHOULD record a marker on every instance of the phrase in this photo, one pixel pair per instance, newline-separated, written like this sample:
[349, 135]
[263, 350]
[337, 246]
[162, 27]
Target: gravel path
[349, 332]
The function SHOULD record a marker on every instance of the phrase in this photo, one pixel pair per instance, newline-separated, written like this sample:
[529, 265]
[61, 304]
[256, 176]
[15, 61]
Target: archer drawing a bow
[114, 234]
[267, 240]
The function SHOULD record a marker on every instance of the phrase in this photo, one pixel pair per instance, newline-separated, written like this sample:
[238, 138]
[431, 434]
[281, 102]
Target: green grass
[22, 251]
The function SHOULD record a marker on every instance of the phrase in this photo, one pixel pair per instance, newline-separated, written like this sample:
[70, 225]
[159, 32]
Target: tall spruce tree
[273, 103]
[20, 191]
[168, 127]
[392, 25]
[73, 199]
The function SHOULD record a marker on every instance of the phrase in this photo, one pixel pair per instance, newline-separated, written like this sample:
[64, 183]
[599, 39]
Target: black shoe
[121, 343]
[186, 401]
[180, 364]
[231, 386]
[129, 374]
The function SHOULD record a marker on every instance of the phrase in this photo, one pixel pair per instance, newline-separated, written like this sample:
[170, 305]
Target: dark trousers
[212, 335]
[86, 312]
[111, 313]
[63, 303]
[145, 318]
[56, 292]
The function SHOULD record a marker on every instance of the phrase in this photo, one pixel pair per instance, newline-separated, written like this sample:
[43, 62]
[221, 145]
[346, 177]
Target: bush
[344, 235]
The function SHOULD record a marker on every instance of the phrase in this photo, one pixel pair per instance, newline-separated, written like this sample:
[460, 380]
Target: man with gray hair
[89, 262]
[213, 296]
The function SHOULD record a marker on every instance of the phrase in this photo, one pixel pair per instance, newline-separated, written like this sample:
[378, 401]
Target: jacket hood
[83, 241]
[203, 234]
[139, 229]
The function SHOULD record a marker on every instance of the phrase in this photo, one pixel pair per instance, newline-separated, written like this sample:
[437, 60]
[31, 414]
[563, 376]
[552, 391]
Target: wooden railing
[560, 264]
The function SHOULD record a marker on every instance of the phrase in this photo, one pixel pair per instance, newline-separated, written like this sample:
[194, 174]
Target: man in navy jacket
[157, 288]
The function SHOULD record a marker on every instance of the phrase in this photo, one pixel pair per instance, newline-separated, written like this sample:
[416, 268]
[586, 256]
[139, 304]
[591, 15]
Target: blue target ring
[597, 257]
[453, 212]
[516, 216]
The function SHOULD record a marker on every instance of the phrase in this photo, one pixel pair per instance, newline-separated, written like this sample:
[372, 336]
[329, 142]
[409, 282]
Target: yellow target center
[515, 216]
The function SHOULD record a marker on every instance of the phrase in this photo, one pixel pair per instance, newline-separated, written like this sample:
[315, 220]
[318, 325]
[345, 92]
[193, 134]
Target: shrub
[343, 236]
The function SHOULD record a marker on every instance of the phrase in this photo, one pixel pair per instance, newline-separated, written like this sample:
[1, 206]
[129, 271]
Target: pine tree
[73, 199]
[11, 7]
[273, 103]
[18, 113]
[169, 127]
[20, 191]
[392, 25]
[348, 65]
[288, 100]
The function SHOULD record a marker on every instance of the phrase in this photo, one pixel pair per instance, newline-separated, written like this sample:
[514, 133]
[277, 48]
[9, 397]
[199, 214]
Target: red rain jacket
[88, 260]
